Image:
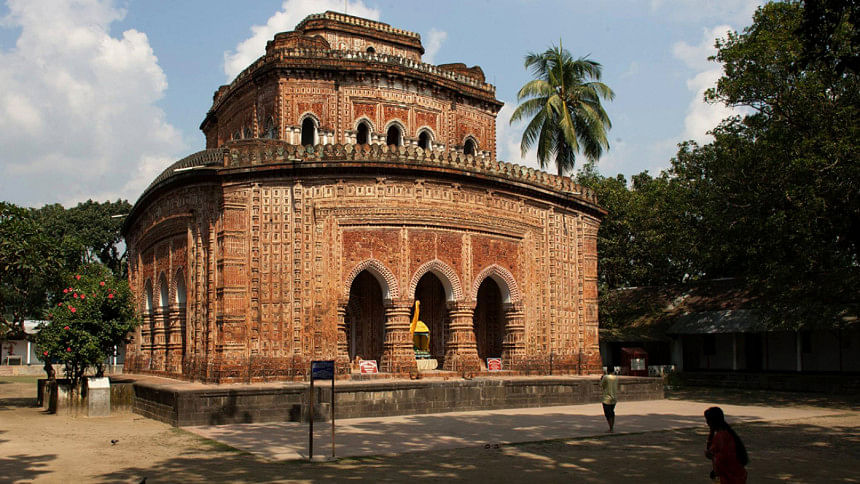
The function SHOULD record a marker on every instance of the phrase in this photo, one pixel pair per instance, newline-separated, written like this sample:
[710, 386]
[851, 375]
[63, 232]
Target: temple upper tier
[347, 80]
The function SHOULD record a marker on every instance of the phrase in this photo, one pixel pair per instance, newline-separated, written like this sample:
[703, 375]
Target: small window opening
[237, 135]
[371, 50]
[309, 129]
[424, 140]
[469, 147]
[164, 300]
[180, 288]
[148, 298]
[363, 134]
[270, 128]
[393, 136]
[247, 133]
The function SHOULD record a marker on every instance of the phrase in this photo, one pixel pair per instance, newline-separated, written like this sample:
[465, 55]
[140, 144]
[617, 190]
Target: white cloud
[508, 137]
[432, 43]
[292, 12]
[78, 114]
[633, 70]
[701, 116]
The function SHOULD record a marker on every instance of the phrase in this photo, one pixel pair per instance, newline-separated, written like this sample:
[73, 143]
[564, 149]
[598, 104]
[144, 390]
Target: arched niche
[180, 288]
[310, 129]
[447, 276]
[385, 278]
[508, 288]
[163, 292]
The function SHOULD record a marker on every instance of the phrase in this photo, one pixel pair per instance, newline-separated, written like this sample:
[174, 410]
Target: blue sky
[98, 96]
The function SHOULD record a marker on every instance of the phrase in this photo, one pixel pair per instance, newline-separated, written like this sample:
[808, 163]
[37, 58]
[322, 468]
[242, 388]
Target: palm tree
[563, 103]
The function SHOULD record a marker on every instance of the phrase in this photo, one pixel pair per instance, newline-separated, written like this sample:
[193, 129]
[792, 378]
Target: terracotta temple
[343, 179]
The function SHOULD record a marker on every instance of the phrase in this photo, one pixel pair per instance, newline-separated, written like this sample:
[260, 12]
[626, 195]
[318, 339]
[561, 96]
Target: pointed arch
[179, 287]
[446, 275]
[363, 130]
[503, 278]
[310, 127]
[470, 146]
[383, 275]
[271, 132]
[163, 292]
[147, 298]
[425, 138]
[394, 133]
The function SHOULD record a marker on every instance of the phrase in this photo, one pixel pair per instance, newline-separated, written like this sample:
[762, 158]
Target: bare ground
[37, 447]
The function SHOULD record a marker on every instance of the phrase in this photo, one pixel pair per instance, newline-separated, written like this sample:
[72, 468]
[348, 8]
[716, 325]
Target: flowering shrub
[95, 314]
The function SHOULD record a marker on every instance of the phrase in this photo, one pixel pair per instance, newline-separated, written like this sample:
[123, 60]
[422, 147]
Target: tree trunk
[49, 369]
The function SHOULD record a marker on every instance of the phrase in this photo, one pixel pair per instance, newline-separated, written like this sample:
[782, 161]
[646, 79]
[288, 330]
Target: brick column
[397, 353]
[461, 351]
[342, 358]
[514, 346]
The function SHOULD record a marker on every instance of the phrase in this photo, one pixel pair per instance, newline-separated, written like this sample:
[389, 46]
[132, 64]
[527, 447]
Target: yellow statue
[420, 335]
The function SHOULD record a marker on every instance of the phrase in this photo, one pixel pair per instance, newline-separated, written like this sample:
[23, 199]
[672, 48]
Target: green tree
[564, 104]
[648, 236]
[30, 267]
[95, 313]
[90, 231]
[778, 190]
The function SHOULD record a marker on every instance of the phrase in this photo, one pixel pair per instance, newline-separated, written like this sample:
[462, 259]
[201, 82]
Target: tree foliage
[779, 188]
[564, 104]
[30, 266]
[94, 314]
[774, 200]
[39, 247]
[90, 232]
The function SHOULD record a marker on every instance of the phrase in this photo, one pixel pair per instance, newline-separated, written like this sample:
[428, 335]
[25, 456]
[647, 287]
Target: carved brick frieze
[273, 254]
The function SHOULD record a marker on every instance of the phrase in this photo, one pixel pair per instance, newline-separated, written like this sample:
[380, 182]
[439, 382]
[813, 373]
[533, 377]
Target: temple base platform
[182, 403]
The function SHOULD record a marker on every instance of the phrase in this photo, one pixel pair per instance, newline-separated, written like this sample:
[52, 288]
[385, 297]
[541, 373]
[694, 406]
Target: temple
[343, 179]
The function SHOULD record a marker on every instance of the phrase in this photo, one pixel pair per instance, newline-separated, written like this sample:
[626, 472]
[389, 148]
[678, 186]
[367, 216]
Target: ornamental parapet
[259, 152]
[315, 59]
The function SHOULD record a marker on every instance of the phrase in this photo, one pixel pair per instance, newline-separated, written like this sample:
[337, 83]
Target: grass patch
[20, 379]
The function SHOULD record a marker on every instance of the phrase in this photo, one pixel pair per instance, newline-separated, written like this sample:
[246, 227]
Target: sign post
[320, 370]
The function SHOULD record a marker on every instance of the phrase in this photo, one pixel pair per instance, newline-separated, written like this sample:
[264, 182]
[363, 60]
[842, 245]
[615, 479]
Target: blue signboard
[322, 370]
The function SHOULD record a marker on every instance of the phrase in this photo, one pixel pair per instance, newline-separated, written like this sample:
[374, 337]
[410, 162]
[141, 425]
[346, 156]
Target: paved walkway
[418, 433]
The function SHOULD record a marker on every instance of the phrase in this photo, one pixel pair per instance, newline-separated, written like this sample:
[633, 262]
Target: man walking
[609, 384]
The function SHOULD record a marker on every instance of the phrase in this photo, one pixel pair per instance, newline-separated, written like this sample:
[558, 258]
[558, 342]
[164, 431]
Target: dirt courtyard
[37, 447]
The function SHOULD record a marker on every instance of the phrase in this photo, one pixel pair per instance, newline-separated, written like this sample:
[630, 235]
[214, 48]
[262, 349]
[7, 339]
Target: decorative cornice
[238, 157]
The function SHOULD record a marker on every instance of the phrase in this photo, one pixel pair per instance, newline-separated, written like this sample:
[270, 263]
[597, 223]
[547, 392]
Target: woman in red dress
[725, 449]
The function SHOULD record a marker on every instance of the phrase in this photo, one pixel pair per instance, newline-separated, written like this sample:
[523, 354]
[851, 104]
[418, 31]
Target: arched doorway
[309, 132]
[469, 148]
[424, 140]
[365, 318]
[362, 136]
[393, 137]
[489, 321]
[434, 313]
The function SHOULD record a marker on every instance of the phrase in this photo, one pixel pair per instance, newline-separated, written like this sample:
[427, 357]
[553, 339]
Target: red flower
[102, 283]
[69, 349]
[83, 296]
[72, 309]
[45, 353]
[66, 328]
[65, 291]
[59, 304]
[110, 296]
[78, 277]
[75, 295]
